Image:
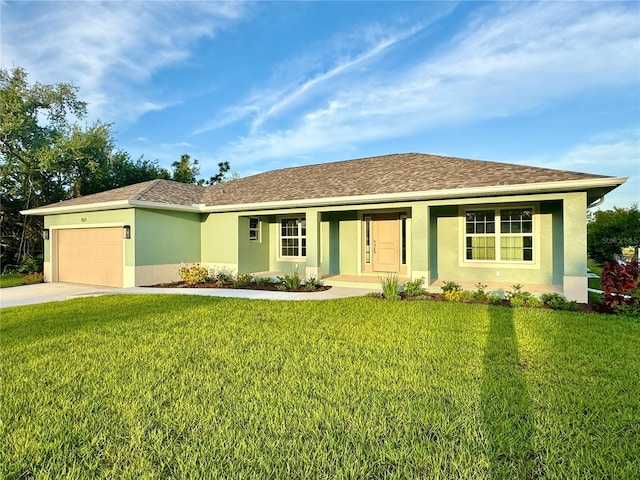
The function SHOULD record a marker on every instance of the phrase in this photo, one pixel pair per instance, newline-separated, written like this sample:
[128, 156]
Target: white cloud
[107, 49]
[512, 59]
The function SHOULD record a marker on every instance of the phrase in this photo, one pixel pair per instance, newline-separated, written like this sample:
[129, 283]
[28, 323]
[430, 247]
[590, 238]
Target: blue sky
[268, 85]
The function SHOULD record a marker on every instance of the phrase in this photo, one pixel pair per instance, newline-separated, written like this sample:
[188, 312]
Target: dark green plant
[609, 231]
[448, 286]
[311, 284]
[223, 276]
[30, 264]
[414, 288]
[558, 302]
[389, 284]
[291, 281]
[262, 281]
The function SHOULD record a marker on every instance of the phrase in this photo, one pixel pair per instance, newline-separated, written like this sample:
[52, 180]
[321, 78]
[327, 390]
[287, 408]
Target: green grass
[185, 386]
[11, 280]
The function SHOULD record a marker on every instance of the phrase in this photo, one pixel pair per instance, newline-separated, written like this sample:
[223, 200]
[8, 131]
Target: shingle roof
[157, 191]
[397, 173]
[406, 172]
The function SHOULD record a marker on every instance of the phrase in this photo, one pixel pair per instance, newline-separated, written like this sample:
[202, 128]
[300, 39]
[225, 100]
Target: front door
[386, 243]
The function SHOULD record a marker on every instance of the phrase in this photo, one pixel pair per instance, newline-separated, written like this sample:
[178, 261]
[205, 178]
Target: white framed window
[367, 240]
[502, 234]
[254, 229]
[293, 237]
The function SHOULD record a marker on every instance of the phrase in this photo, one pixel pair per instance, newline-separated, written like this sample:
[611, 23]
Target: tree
[24, 143]
[609, 231]
[185, 170]
[45, 158]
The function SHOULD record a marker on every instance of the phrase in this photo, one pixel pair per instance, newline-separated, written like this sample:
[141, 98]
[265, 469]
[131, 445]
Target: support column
[574, 221]
[420, 242]
[313, 244]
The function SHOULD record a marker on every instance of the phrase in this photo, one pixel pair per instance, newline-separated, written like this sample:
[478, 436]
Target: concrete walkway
[54, 292]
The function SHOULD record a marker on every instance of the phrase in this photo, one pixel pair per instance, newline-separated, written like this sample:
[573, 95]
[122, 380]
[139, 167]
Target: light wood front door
[386, 243]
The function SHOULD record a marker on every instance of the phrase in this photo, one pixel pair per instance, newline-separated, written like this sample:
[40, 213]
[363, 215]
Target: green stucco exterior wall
[166, 237]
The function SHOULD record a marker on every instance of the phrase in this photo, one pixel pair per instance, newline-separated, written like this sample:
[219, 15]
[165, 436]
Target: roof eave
[112, 205]
[494, 190]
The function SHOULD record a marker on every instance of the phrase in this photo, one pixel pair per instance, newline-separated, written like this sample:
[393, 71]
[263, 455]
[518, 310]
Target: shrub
[193, 274]
[621, 285]
[243, 280]
[481, 292]
[389, 284]
[558, 302]
[291, 281]
[30, 264]
[453, 295]
[311, 284]
[466, 296]
[224, 276]
[494, 299]
[534, 302]
[448, 286]
[414, 287]
[262, 281]
[33, 278]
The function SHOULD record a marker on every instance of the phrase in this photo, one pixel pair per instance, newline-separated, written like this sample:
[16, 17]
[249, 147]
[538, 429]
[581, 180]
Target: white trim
[87, 225]
[535, 235]
[257, 229]
[113, 205]
[300, 237]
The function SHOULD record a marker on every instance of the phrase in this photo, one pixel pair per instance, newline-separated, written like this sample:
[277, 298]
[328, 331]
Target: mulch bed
[274, 287]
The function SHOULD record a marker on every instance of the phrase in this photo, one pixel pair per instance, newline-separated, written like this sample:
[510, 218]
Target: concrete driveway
[55, 292]
[47, 292]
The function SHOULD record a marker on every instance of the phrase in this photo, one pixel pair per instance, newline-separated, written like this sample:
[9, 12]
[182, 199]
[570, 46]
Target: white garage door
[90, 255]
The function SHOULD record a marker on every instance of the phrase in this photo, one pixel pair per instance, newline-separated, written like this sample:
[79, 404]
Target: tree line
[46, 156]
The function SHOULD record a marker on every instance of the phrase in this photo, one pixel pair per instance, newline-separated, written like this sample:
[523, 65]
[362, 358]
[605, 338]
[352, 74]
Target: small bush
[453, 295]
[558, 302]
[262, 281]
[291, 281]
[243, 280]
[448, 286]
[621, 285]
[30, 264]
[224, 276]
[494, 299]
[193, 274]
[467, 296]
[389, 284]
[32, 278]
[414, 287]
[311, 284]
[481, 292]
[534, 302]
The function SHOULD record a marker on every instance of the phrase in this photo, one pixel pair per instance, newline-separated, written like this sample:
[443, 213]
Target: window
[403, 239]
[512, 243]
[254, 229]
[367, 239]
[293, 241]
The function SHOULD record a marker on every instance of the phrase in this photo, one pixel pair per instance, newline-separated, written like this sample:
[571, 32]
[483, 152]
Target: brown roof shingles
[397, 173]
[157, 191]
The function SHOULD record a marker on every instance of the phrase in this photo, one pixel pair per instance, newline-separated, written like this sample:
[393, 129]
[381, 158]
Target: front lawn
[11, 280]
[185, 386]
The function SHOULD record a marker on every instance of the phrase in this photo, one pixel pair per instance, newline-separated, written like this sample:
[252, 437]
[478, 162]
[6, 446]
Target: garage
[90, 255]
